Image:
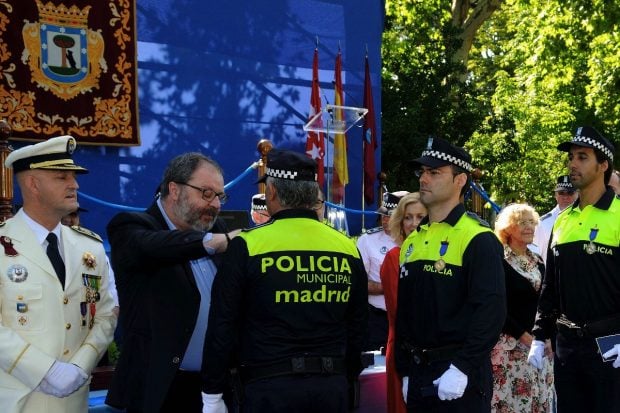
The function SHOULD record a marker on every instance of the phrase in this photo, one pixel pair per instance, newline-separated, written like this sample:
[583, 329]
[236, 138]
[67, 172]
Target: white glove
[62, 379]
[615, 351]
[537, 351]
[452, 383]
[405, 388]
[213, 403]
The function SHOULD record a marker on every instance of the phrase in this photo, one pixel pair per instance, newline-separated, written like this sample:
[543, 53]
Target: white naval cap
[52, 154]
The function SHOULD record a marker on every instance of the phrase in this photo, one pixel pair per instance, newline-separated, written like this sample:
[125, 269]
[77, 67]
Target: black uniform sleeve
[482, 262]
[548, 303]
[137, 241]
[224, 315]
[357, 319]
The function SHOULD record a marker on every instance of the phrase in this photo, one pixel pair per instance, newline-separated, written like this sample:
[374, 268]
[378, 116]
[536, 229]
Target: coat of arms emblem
[64, 55]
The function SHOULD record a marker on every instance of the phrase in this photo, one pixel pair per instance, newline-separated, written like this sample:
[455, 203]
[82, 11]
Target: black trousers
[476, 399]
[376, 335]
[583, 382]
[299, 394]
[183, 395]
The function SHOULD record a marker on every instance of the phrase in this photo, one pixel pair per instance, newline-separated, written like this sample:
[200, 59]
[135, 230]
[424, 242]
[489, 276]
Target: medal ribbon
[593, 233]
[443, 248]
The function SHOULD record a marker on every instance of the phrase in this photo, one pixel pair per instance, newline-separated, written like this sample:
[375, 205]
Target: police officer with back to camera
[451, 293]
[373, 246]
[56, 313]
[292, 293]
[581, 289]
[565, 194]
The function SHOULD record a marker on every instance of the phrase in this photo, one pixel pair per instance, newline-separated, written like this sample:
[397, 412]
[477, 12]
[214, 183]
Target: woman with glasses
[518, 386]
[403, 221]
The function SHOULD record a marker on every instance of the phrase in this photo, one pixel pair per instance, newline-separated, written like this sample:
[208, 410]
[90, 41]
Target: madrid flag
[315, 141]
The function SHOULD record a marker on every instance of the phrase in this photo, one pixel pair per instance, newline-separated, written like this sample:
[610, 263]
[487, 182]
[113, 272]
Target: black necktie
[54, 255]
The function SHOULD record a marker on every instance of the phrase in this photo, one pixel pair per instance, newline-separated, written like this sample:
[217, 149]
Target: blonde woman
[403, 221]
[517, 385]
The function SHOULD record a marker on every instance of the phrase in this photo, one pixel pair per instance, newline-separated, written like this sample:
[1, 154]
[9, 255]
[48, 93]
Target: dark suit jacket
[159, 303]
[521, 300]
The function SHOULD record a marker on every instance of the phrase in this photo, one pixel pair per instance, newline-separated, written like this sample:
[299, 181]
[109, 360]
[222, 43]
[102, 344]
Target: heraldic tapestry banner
[68, 67]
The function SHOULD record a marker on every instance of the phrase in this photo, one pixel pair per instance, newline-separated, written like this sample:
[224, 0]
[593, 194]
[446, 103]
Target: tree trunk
[468, 16]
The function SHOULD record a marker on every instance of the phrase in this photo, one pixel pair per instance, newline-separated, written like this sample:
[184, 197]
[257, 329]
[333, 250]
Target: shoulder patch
[86, 232]
[477, 218]
[374, 230]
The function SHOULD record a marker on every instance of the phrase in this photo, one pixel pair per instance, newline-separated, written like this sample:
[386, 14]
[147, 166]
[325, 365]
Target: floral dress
[517, 385]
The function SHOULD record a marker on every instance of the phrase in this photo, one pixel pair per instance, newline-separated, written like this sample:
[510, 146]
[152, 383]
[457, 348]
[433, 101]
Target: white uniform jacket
[41, 323]
[373, 245]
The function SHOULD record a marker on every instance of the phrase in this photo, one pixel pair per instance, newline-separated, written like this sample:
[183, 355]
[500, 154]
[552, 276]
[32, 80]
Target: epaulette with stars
[86, 232]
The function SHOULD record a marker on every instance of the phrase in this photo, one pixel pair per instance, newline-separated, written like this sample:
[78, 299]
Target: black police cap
[588, 137]
[291, 165]
[440, 152]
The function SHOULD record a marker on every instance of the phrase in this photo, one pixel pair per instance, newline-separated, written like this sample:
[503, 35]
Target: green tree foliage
[536, 71]
[422, 94]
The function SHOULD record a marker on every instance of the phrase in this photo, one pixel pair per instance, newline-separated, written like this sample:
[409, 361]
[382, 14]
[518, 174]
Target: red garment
[389, 280]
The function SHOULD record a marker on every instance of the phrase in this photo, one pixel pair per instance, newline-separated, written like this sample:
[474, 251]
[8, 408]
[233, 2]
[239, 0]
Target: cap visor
[261, 180]
[77, 169]
[565, 146]
[430, 162]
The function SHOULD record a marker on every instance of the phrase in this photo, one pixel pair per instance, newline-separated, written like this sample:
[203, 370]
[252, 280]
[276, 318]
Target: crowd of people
[520, 315]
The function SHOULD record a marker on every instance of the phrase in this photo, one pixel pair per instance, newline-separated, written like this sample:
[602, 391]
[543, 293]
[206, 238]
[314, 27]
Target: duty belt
[295, 366]
[431, 355]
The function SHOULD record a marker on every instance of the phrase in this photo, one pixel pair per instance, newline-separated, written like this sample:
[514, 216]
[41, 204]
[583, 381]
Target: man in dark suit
[165, 262]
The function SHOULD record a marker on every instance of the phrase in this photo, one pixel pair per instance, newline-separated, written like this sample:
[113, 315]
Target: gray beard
[191, 216]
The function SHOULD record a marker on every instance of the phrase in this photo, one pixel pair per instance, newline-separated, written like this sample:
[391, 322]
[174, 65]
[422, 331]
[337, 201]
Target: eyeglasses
[318, 204]
[207, 193]
[524, 222]
[433, 172]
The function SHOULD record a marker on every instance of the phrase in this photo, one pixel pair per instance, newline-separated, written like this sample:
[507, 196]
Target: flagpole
[363, 184]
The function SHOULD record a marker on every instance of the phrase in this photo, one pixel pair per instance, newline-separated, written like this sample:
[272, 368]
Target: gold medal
[590, 248]
[440, 264]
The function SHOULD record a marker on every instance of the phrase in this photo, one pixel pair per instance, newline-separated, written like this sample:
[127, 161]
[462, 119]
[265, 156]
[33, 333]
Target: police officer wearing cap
[373, 245]
[292, 294]
[259, 209]
[451, 294]
[57, 318]
[565, 195]
[581, 289]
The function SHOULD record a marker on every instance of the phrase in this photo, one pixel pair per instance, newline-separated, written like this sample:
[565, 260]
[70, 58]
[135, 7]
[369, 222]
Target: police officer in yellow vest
[581, 290]
[57, 318]
[293, 292]
[451, 293]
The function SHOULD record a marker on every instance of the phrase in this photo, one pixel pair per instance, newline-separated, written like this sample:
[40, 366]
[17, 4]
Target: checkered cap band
[259, 207]
[447, 157]
[565, 185]
[284, 174]
[596, 144]
[390, 205]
